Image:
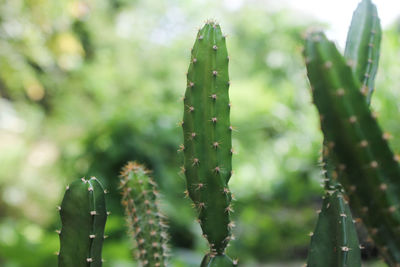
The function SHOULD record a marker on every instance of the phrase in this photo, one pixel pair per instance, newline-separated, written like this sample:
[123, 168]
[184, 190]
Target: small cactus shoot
[83, 217]
[334, 242]
[139, 197]
[207, 134]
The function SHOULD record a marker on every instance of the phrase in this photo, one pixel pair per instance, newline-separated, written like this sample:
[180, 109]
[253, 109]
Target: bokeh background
[86, 85]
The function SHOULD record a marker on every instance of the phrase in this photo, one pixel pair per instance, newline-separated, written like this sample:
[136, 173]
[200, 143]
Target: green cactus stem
[363, 45]
[139, 197]
[362, 55]
[334, 242]
[207, 136]
[361, 148]
[83, 217]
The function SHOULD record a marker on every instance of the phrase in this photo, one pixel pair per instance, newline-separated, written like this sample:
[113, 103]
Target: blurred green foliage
[87, 85]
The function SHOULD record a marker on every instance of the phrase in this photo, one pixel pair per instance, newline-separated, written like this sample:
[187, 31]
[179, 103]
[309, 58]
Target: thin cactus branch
[146, 223]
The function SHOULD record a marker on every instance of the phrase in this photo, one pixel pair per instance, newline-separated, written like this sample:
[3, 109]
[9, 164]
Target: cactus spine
[207, 136]
[362, 54]
[363, 154]
[139, 197]
[83, 216]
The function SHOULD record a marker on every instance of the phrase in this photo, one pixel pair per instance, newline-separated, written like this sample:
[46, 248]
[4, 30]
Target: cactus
[207, 136]
[362, 151]
[362, 54]
[83, 216]
[139, 197]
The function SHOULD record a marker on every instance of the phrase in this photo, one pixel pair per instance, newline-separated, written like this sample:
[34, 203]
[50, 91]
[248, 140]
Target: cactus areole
[207, 136]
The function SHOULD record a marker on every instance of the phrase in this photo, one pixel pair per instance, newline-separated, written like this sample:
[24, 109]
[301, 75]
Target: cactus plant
[362, 54]
[83, 216]
[207, 137]
[370, 169]
[139, 197]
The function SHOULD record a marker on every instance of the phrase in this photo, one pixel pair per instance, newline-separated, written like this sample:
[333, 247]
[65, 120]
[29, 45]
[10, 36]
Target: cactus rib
[83, 216]
[358, 142]
[139, 197]
[207, 136]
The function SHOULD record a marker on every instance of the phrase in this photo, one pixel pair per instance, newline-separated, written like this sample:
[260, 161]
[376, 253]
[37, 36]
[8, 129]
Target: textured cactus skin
[83, 216]
[207, 136]
[363, 45]
[211, 260]
[139, 197]
[371, 173]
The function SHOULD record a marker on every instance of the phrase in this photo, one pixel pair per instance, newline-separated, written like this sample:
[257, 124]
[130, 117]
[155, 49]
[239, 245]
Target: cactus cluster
[362, 55]
[83, 217]
[363, 160]
[361, 174]
[207, 134]
[207, 152]
[139, 197]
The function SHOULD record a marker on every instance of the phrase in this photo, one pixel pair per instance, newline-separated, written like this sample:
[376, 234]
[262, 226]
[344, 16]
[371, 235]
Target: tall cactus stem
[207, 136]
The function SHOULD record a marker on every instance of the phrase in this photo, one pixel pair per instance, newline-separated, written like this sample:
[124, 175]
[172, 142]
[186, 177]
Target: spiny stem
[146, 224]
[207, 136]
